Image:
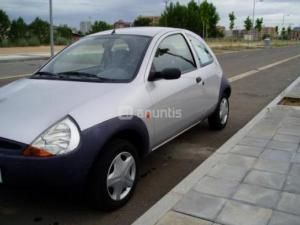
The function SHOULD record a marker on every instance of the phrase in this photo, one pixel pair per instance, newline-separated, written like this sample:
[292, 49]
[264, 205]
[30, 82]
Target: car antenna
[114, 30]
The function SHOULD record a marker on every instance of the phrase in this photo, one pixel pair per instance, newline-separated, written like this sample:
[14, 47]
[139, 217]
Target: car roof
[145, 31]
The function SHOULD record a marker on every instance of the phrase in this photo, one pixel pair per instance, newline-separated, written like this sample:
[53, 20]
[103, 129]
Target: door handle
[198, 80]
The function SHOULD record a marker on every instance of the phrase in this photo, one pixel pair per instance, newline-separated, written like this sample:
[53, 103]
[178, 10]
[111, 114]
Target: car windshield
[109, 58]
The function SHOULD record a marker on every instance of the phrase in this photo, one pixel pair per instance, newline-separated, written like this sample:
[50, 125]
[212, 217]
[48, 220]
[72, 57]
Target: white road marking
[251, 72]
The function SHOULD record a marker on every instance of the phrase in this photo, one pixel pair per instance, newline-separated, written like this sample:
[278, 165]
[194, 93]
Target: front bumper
[70, 170]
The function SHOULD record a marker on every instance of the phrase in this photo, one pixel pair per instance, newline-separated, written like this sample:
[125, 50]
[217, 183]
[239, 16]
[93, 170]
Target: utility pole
[283, 19]
[253, 17]
[51, 29]
[166, 5]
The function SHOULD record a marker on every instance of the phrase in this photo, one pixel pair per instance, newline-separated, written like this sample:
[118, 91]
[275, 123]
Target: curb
[157, 211]
[22, 59]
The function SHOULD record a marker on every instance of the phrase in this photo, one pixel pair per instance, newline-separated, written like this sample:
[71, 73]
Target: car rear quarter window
[204, 56]
[174, 52]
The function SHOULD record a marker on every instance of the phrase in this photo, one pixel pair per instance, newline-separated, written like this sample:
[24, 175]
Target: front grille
[10, 145]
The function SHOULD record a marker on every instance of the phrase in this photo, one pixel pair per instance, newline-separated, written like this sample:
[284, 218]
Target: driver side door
[175, 102]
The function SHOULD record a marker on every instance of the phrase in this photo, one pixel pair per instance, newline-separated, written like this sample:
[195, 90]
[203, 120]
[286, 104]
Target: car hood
[29, 106]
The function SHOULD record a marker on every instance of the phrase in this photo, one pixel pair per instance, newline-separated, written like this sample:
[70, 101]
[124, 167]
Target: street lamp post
[283, 19]
[51, 29]
[253, 16]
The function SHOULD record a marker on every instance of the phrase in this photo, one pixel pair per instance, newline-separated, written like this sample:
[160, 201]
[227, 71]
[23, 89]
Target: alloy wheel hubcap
[121, 176]
[224, 110]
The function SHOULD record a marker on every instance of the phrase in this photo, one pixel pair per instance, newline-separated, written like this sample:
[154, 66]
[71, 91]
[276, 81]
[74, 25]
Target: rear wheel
[218, 120]
[114, 176]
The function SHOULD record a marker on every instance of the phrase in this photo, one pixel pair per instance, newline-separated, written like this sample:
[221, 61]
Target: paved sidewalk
[253, 179]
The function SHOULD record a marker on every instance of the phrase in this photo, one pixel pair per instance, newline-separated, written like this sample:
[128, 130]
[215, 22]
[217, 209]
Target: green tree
[232, 19]
[201, 19]
[64, 32]
[289, 32]
[210, 19]
[4, 24]
[277, 30]
[142, 22]
[283, 33]
[99, 26]
[174, 15]
[259, 24]
[193, 17]
[18, 29]
[248, 24]
[40, 29]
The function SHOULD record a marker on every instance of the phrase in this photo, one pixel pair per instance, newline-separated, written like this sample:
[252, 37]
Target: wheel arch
[97, 137]
[225, 89]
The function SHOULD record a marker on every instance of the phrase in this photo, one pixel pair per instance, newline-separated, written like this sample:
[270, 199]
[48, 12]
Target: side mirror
[167, 74]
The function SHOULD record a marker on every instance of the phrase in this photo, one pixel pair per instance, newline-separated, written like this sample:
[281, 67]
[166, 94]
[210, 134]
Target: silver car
[88, 115]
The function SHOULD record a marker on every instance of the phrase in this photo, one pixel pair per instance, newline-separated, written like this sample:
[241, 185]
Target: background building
[154, 20]
[269, 31]
[122, 24]
[85, 26]
[296, 33]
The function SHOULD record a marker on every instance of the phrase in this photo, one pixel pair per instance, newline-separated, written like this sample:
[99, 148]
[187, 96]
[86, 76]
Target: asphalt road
[167, 166]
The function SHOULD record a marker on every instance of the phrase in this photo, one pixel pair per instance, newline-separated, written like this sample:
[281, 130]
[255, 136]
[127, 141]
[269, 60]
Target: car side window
[174, 52]
[205, 58]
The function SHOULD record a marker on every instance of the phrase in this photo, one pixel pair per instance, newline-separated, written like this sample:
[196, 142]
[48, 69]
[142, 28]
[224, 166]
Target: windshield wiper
[84, 75]
[78, 74]
[46, 74]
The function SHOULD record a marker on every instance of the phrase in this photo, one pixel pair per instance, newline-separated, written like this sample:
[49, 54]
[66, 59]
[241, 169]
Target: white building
[85, 26]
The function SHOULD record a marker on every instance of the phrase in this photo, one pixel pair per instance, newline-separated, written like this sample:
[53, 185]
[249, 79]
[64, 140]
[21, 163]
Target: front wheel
[114, 176]
[218, 120]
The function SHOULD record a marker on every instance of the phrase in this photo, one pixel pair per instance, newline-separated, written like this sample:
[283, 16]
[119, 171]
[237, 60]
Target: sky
[71, 12]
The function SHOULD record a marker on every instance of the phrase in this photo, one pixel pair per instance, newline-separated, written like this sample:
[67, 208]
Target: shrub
[5, 43]
[21, 42]
[34, 41]
[61, 41]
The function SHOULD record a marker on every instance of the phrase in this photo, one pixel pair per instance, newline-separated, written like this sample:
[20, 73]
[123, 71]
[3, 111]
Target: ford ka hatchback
[89, 114]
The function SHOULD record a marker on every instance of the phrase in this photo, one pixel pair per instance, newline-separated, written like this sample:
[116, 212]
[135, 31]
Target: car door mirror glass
[167, 74]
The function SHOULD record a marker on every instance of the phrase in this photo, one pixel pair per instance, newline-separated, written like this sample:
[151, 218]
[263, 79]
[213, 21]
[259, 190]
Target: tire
[218, 120]
[111, 165]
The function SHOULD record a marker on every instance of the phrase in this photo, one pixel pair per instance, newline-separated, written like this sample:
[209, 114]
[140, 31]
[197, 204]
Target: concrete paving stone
[247, 150]
[228, 172]
[289, 120]
[272, 166]
[296, 158]
[294, 113]
[239, 160]
[289, 203]
[283, 146]
[265, 179]
[279, 218]
[235, 213]
[174, 218]
[200, 205]
[295, 169]
[256, 195]
[276, 155]
[287, 138]
[255, 142]
[292, 184]
[263, 131]
[292, 130]
[216, 186]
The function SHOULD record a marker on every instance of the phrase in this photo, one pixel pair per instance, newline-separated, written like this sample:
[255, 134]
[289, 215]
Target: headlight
[59, 139]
